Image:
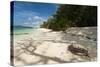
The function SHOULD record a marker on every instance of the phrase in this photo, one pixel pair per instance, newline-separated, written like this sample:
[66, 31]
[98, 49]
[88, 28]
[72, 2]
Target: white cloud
[38, 18]
[29, 19]
[26, 23]
[26, 13]
[34, 21]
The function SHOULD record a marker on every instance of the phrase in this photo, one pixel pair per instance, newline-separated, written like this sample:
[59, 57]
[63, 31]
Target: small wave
[21, 33]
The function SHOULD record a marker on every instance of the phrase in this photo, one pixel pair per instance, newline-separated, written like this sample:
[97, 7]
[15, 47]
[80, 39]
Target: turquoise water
[22, 31]
[19, 31]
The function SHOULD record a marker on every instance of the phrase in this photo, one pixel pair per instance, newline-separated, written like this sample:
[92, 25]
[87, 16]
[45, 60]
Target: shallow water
[20, 32]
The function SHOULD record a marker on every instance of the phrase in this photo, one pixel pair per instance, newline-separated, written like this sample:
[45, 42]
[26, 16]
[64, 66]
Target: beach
[44, 46]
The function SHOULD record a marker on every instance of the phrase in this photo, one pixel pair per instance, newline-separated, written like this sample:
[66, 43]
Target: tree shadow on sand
[44, 59]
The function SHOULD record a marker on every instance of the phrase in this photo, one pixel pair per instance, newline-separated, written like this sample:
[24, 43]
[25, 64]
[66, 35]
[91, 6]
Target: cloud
[26, 23]
[38, 18]
[34, 21]
[29, 19]
[26, 13]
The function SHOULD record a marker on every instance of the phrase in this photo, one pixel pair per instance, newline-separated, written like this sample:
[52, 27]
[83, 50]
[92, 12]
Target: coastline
[44, 46]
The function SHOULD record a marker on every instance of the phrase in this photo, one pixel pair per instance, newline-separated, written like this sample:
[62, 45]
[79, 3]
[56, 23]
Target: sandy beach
[44, 46]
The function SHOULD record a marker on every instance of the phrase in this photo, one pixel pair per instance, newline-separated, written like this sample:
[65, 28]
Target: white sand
[44, 46]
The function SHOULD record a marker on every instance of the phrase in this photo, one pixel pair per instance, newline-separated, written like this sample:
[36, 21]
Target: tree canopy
[72, 16]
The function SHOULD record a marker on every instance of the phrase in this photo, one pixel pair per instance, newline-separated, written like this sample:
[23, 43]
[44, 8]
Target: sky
[31, 13]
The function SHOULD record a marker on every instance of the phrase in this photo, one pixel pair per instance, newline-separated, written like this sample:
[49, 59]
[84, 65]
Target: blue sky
[32, 14]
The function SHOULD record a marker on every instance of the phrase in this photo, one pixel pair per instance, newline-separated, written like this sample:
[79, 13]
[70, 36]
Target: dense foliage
[72, 16]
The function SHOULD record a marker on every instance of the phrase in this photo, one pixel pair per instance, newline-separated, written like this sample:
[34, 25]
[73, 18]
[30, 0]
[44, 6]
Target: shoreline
[49, 47]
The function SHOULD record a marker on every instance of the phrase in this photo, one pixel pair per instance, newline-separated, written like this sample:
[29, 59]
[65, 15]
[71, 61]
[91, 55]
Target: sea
[20, 31]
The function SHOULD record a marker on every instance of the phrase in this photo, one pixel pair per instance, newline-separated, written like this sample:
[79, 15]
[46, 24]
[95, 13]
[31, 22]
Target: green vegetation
[72, 16]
